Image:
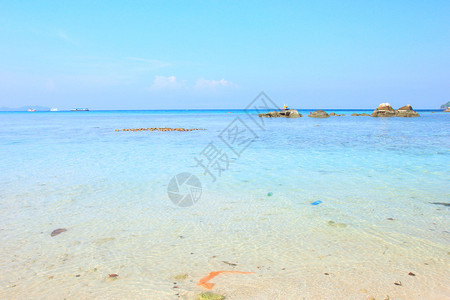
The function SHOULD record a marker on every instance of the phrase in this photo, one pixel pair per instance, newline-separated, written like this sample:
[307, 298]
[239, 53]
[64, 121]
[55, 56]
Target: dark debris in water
[441, 203]
[57, 231]
[230, 264]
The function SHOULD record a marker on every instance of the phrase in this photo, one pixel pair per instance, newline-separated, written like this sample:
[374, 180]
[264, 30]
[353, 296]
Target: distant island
[446, 105]
[26, 108]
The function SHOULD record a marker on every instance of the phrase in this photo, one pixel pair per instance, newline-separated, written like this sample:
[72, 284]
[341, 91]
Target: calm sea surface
[380, 185]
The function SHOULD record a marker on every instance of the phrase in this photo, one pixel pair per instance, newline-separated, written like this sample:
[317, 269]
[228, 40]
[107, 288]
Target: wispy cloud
[63, 36]
[169, 82]
[212, 84]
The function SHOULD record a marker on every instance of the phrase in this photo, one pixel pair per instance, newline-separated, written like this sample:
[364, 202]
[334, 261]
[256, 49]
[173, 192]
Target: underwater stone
[210, 296]
[181, 276]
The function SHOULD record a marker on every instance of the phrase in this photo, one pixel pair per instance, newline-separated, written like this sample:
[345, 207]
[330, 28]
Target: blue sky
[221, 54]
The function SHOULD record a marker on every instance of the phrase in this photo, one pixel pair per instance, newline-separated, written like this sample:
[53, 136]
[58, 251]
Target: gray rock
[319, 114]
[284, 113]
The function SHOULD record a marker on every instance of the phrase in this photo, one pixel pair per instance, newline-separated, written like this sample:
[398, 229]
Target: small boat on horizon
[53, 109]
[31, 109]
[80, 109]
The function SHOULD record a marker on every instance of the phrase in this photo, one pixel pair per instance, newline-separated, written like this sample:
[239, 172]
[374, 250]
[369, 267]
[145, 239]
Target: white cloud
[163, 82]
[211, 84]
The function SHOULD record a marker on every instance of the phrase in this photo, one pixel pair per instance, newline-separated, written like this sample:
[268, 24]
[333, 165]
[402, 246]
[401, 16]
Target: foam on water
[109, 189]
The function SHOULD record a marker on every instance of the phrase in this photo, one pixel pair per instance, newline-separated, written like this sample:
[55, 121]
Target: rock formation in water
[319, 114]
[158, 129]
[406, 111]
[336, 115]
[360, 115]
[383, 110]
[284, 113]
[447, 110]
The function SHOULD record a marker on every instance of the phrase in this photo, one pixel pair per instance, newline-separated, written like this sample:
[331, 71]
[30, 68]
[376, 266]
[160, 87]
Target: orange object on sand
[208, 285]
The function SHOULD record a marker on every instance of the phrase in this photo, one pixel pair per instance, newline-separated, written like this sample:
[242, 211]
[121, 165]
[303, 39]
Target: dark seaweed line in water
[441, 203]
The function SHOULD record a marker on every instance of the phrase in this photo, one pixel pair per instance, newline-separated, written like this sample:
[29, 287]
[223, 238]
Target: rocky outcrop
[336, 115]
[158, 129]
[360, 115]
[383, 110]
[406, 111]
[319, 114]
[445, 106]
[284, 113]
[447, 110]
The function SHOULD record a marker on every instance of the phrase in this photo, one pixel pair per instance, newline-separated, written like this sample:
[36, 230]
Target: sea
[346, 207]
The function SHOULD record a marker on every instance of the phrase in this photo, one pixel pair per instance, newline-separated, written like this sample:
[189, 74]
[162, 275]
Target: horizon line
[209, 109]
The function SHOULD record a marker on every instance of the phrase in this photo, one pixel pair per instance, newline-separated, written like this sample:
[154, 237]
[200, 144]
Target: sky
[221, 54]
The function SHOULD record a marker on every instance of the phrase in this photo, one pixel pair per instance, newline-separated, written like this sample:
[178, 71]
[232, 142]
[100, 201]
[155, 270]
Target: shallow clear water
[109, 189]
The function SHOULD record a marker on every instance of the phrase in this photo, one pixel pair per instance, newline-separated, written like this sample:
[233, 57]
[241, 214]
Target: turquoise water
[109, 189]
